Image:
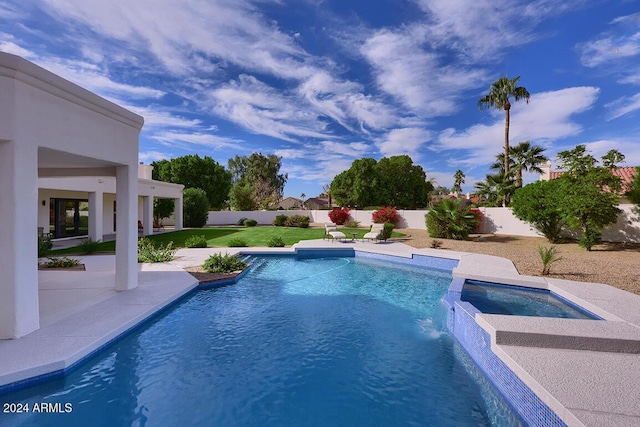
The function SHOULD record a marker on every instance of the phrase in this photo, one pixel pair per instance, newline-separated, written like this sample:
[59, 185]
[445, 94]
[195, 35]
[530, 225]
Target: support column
[127, 228]
[177, 211]
[96, 200]
[19, 305]
[147, 215]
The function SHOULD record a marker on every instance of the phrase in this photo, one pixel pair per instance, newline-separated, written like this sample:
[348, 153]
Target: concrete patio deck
[593, 380]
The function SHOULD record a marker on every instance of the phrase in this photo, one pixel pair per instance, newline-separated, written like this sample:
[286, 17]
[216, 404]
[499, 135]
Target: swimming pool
[329, 341]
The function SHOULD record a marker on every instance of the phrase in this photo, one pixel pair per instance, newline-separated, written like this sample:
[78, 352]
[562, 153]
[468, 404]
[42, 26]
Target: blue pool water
[296, 342]
[502, 299]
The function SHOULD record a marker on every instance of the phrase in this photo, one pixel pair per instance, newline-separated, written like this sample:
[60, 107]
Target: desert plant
[62, 262]
[300, 221]
[250, 222]
[275, 242]
[195, 207]
[386, 214]
[387, 230]
[280, 220]
[44, 246]
[148, 252]
[449, 220]
[548, 256]
[237, 243]
[196, 242]
[88, 246]
[219, 263]
[436, 244]
[352, 224]
[339, 215]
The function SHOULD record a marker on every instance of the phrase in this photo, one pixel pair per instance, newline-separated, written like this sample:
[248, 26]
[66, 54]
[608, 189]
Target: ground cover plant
[198, 241]
[61, 262]
[148, 251]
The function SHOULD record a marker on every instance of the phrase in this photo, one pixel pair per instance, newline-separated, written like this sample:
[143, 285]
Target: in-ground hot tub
[493, 298]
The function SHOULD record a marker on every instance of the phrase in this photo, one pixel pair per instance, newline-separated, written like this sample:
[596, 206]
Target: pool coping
[534, 358]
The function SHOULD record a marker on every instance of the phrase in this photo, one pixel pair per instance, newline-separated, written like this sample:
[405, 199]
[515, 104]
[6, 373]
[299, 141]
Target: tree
[393, 181]
[162, 208]
[195, 207]
[241, 197]
[497, 189]
[524, 158]
[458, 180]
[590, 200]
[634, 192]
[537, 203]
[263, 174]
[195, 172]
[498, 97]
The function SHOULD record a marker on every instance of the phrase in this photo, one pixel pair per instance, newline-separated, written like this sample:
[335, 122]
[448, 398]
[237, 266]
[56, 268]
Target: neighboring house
[626, 174]
[57, 141]
[290, 203]
[315, 203]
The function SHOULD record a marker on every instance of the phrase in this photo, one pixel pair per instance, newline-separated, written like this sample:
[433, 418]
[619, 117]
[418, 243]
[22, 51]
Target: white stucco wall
[495, 221]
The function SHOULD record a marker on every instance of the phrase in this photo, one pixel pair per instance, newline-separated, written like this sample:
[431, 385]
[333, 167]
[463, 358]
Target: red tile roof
[626, 174]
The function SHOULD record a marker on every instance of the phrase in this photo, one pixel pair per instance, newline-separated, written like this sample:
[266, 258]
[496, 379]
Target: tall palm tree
[499, 93]
[524, 158]
[497, 189]
[458, 178]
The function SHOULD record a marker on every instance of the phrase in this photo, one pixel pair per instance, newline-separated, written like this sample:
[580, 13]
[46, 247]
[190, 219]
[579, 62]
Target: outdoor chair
[376, 233]
[331, 232]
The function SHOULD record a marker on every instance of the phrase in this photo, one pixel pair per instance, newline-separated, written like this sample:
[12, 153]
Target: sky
[322, 83]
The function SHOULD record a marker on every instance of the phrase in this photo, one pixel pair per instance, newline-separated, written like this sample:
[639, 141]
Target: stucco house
[60, 141]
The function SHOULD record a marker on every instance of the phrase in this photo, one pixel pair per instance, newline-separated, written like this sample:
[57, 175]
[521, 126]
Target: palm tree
[524, 158]
[498, 98]
[458, 178]
[497, 189]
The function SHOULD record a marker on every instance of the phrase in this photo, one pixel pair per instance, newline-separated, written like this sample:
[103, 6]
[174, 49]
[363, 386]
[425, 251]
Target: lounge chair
[376, 233]
[331, 232]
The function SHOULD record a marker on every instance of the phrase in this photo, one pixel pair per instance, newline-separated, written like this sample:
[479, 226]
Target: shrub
[250, 222]
[63, 262]
[196, 242]
[275, 242]
[478, 215]
[537, 203]
[548, 256]
[237, 243]
[218, 263]
[449, 220]
[44, 246]
[352, 224]
[241, 221]
[387, 230]
[339, 215]
[88, 246]
[148, 252]
[280, 220]
[300, 221]
[386, 214]
[195, 207]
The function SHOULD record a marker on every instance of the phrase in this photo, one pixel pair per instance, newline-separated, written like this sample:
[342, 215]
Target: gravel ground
[616, 264]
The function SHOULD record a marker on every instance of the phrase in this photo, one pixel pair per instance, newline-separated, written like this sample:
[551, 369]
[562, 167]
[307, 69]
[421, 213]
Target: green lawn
[220, 237]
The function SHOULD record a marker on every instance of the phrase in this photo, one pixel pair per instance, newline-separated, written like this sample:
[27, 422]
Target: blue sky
[324, 82]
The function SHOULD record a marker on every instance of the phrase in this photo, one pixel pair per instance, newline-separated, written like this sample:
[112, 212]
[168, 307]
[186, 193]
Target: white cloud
[172, 138]
[416, 77]
[14, 49]
[548, 117]
[622, 106]
[152, 156]
[403, 141]
[620, 42]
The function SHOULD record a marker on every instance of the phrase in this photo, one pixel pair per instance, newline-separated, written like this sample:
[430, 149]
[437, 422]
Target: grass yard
[220, 237]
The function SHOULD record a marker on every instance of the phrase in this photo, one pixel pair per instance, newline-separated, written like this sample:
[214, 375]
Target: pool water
[296, 342]
[512, 300]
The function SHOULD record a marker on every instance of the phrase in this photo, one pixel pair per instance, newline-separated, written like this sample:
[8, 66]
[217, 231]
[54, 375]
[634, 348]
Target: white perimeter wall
[495, 221]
